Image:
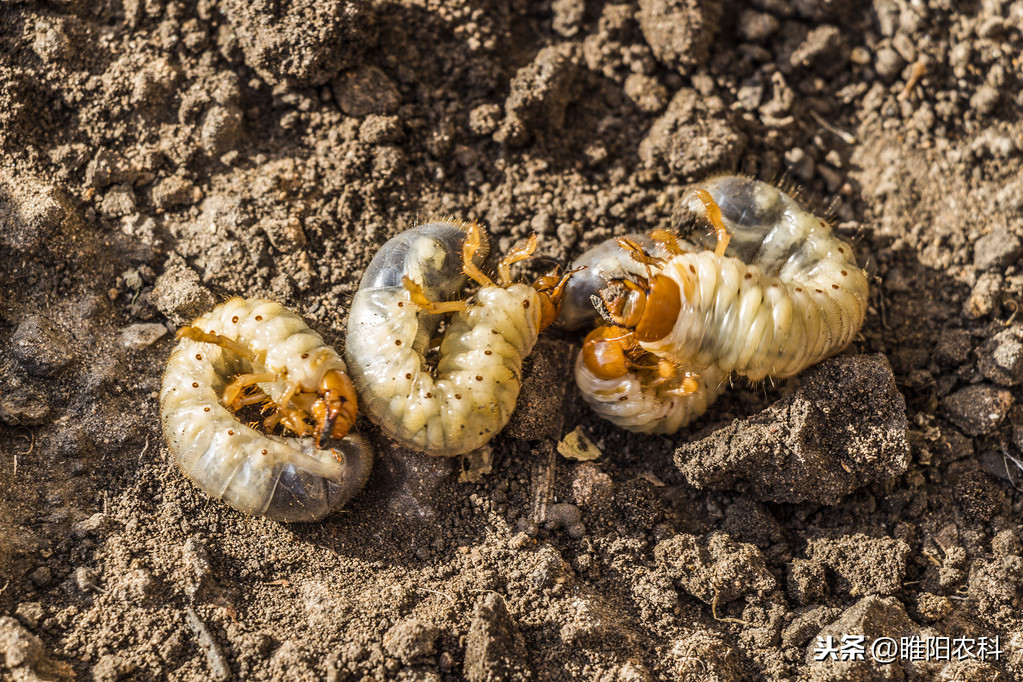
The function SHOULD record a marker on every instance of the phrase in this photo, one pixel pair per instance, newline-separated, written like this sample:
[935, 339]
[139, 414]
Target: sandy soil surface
[157, 157]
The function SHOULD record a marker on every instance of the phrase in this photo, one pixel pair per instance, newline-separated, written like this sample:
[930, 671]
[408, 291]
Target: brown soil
[157, 157]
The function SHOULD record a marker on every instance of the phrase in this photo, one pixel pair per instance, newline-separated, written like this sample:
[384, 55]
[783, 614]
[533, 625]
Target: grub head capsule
[603, 262]
[301, 495]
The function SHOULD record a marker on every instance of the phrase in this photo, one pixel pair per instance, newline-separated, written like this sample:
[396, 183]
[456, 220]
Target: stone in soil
[18, 646]
[494, 648]
[42, 347]
[142, 335]
[873, 617]
[540, 93]
[977, 409]
[984, 297]
[715, 569]
[299, 43]
[953, 347]
[806, 582]
[704, 655]
[996, 250]
[679, 33]
[178, 293]
[366, 91]
[693, 137]
[1001, 358]
[411, 639]
[862, 564]
[31, 212]
[843, 428]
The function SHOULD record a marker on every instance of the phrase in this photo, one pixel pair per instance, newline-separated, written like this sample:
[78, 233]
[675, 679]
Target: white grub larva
[468, 397]
[649, 396]
[791, 296]
[249, 351]
[776, 293]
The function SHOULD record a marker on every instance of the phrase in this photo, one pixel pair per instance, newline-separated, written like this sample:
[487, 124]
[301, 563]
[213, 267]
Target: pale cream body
[790, 296]
[282, 478]
[471, 394]
[645, 407]
[736, 317]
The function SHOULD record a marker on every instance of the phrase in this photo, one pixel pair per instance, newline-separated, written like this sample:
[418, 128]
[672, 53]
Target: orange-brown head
[648, 307]
[550, 290]
[337, 406]
[606, 351]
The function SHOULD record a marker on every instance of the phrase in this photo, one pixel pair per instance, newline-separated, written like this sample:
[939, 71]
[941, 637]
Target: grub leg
[433, 307]
[233, 392]
[196, 334]
[714, 216]
[514, 256]
[473, 242]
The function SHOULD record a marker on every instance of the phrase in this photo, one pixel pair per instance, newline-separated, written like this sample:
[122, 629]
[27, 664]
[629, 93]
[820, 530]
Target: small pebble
[805, 582]
[410, 640]
[861, 564]
[984, 296]
[1001, 358]
[366, 90]
[977, 409]
[888, 64]
[824, 50]
[143, 335]
[568, 16]
[41, 346]
[933, 606]
[30, 612]
[904, 45]
[173, 192]
[178, 293]
[41, 577]
[569, 517]
[985, 100]
[714, 568]
[756, 26]
[996, 250]
[119, 201]
[953, 347]
[95, 525]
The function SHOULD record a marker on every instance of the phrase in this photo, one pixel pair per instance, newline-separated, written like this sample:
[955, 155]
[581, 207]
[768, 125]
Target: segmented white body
[786, 295]
[472, 393]
[634, 403]
[790, 296]
[286, 479]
